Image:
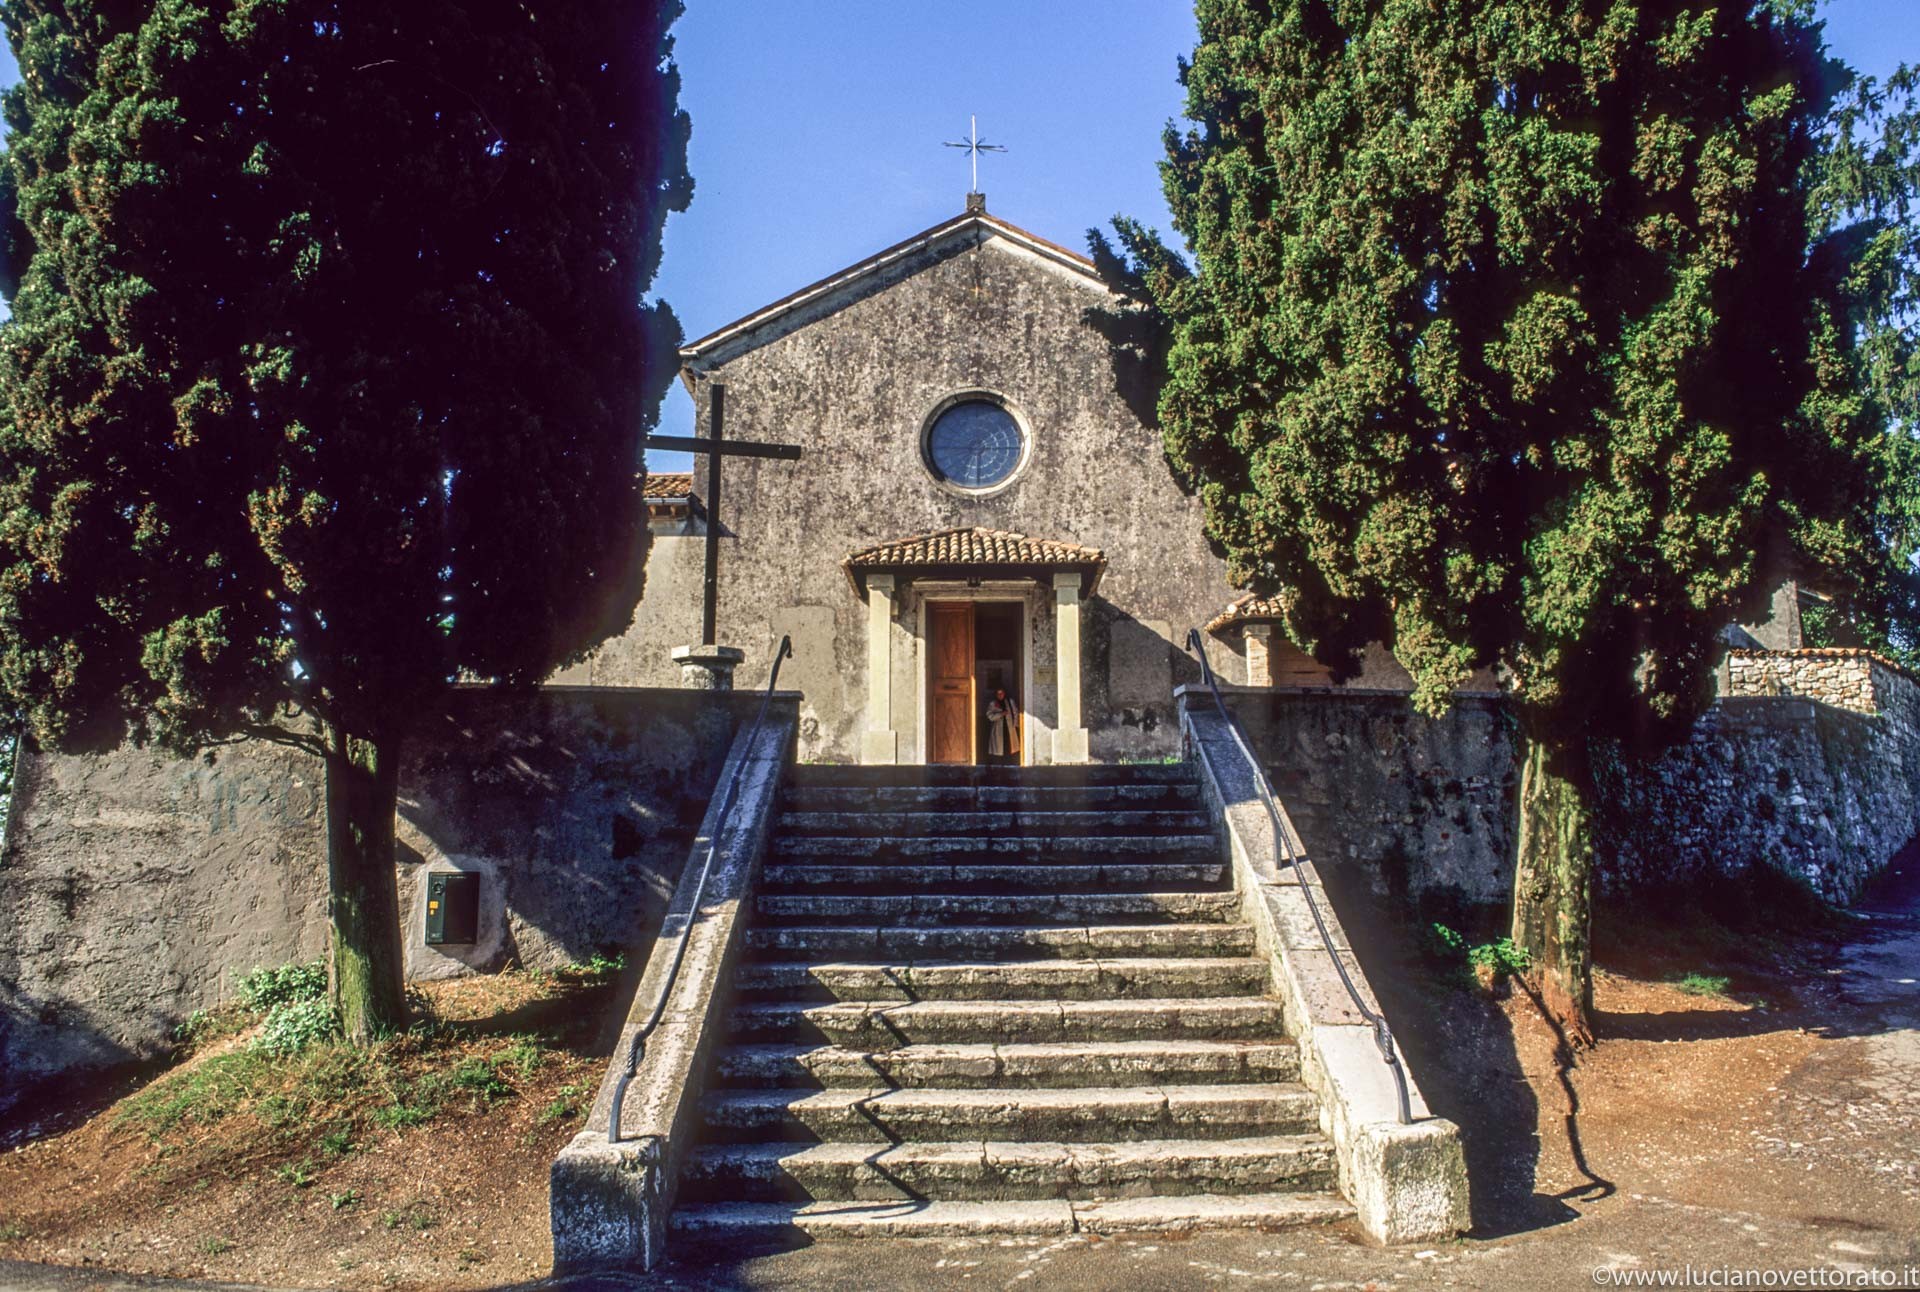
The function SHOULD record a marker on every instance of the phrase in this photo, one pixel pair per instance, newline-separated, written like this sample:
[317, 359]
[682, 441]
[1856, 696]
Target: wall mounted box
[453, 908]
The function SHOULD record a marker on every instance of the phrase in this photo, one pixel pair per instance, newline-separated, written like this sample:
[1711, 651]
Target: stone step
[935, 1022]
[736, 1226]
[1041, 824]
[979, 775]
[1052, 1065]
[959, 848]
[1115, 979]
[1025, 877]
[972, 1169]
[1085, 1114]
[997, 942]
[989, 908]
[1001, 798]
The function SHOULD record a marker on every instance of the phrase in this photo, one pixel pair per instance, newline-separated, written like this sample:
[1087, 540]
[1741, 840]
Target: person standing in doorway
[1003, 729]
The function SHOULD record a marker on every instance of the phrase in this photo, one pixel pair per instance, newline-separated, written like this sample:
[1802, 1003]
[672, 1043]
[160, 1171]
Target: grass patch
[201, 1095]
[1702, 984]
[415, 1216]
[297, 1174]
[215, 1246]
[341, 1201]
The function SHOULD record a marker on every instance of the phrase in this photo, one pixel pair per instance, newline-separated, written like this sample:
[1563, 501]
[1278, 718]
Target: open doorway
[996, 671]
[975, 667]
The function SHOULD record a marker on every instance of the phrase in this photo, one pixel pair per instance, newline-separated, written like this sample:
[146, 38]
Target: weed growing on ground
[1702, 984]
[263, 989]
[12, 1233]
[567, 1105]
[297, 1174]
[336, 1143]
[415, 1215]
[1485, 963]
[341, 1201]
[595, 967]
[292, 1026]
[215, 1246]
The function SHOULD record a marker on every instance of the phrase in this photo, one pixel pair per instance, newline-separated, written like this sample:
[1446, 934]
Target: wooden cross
[716, 450]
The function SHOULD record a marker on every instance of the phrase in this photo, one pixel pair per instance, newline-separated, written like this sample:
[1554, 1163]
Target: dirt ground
[1775, 1126]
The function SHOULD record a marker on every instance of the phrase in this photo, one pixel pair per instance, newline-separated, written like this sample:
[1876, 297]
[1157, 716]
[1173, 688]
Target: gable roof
[974, 549]
[971, 228]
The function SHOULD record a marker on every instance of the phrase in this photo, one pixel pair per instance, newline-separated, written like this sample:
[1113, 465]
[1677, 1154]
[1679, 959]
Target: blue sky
[817, 128]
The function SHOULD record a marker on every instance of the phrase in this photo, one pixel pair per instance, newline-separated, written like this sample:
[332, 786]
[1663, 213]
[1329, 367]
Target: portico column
[880, 743]
[1070, 740]
[1259, 662]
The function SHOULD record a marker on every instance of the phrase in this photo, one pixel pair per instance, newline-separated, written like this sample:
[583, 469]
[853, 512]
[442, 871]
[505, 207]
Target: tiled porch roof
[974, 551]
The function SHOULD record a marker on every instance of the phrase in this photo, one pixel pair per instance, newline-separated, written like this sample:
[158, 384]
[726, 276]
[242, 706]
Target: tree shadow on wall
[1462, 1050]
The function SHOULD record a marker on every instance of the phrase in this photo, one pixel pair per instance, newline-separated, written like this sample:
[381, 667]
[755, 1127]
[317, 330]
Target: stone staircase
[1000, 1001]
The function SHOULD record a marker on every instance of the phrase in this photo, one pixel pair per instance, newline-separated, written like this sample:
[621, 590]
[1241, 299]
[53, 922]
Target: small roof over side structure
[970, 553]
[972, 228]
[1250, 609]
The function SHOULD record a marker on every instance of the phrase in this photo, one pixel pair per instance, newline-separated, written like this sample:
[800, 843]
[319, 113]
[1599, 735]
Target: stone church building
[976, 508]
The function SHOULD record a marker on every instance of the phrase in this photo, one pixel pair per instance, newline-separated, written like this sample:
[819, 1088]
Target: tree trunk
[364, 961]
[1553, 882]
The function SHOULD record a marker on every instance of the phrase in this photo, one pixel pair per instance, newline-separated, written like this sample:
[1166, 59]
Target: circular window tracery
[974, 443]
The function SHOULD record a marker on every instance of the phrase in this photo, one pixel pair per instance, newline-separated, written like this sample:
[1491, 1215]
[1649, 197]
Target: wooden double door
[975, 648]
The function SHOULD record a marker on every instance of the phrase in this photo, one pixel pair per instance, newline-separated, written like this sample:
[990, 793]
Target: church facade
[976, 511]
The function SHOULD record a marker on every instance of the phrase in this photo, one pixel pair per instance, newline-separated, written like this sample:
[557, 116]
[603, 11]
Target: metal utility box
[453, 908]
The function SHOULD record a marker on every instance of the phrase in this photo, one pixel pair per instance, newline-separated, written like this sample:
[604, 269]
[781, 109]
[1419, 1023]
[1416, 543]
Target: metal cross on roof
[974, 148]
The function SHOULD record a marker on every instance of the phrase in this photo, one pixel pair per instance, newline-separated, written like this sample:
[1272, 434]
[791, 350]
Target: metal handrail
[1382, 1035]
[637, 1048]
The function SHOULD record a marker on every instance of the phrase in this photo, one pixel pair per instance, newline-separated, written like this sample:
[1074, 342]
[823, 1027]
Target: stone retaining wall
[136, 887]
[1423, 807]
[1847, 679]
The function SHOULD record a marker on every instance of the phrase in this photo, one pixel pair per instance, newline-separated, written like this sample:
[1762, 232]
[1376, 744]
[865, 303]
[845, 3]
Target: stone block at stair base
[1408, 1184]
[615, 1207]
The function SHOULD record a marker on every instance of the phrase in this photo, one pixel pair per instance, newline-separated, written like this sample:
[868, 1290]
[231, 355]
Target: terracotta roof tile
[984, 548]
[973, 547]
[1251, 608]
[672, 484]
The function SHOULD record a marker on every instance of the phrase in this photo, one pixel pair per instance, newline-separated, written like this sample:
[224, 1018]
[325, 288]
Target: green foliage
[328, 324]
[297, 1174]
[597, 966]
[11, 1232]
[215, 1246]
[1544, 333]
[415, 1215]
[1703, 984]
[341, 1201]
[284, 985]
[326, 377]
[1465, 961]
[294, 1025]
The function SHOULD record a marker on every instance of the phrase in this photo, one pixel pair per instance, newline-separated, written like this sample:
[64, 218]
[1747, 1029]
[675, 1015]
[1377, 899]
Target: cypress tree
[1544, 335]
[326, 376]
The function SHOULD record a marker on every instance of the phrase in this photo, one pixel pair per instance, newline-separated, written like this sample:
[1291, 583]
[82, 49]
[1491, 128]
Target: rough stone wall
[853, 388]
[1424, 807]
[136, 887]
[1847, 679]
[1815, 790]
